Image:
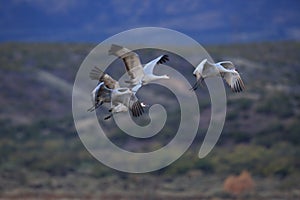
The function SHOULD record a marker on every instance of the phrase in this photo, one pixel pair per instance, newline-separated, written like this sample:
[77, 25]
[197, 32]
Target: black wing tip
[238, 86]
[137, 109]
[166, 57]
[163, 59]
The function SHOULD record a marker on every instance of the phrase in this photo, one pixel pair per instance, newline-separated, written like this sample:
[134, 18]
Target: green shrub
[292, 133]
[204, 165]
[100, 171]
[279, 160]
[239, 137]
[277, 103]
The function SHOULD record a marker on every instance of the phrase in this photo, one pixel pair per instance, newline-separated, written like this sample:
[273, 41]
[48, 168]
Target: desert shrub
[279, 160]
[289, 182]
[239, 137]
[55, 164]
[177, 169]
[277, 103]
[232, 115]
[237, 185]
[277, 132]
[244, 157]
[270, 135]
[99, 171]
[240, 104]
[181, 166]
[292, 133]
[7, 147]
[205, 165]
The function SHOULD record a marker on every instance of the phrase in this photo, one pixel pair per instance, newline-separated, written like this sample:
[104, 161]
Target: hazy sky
[208, 21]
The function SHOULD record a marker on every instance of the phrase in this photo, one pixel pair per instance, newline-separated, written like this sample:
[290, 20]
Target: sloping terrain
[40, 151]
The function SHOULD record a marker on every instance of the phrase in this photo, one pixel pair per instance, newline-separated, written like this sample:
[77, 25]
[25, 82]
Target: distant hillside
[211, 22]
[35, 77]
[261, 131]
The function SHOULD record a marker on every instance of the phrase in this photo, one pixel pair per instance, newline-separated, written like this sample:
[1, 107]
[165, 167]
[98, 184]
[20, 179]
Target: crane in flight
[138, 74]
[108, 90]
[225, 69]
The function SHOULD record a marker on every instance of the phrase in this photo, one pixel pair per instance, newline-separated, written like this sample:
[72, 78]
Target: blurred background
[43, 43]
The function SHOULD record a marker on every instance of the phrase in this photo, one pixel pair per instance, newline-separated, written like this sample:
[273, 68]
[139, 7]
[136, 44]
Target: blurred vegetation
[261, 133]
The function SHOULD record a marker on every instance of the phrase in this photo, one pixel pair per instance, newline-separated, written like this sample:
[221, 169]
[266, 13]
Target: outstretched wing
[97, 74]
[131, 60]
[135, 106]
[204, 69]
[232, 78]
[234, 81]
[209, 69]
[148, 68]
[227, 64]
[126, 97]
[100, 95]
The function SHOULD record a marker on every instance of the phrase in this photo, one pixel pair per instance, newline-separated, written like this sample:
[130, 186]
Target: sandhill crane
[122, 99]
[138, 74]
[224, 69]
[97, 74]
[108, 90]
[100, 94]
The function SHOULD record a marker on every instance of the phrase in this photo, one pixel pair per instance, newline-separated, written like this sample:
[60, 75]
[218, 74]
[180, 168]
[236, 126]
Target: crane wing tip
[114, 48]
[137, 109]
[238, 86]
